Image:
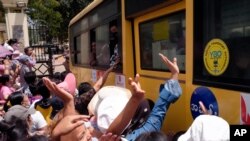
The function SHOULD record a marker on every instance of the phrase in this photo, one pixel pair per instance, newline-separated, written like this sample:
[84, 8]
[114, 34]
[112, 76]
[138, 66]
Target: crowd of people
[55, 109]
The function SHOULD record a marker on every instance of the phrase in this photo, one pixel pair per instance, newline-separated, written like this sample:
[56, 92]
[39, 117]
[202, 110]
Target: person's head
[93, 46]
[81, 102]
[177, 135]
[18, 98]
[11, 42]
[4, 79]
[113, 29]
[28, 51]
[25, 60]
[152, 136]
[63, 75]
[30, 77]
[43, 90]
[57, 77]
[84, 87]
[14, 130]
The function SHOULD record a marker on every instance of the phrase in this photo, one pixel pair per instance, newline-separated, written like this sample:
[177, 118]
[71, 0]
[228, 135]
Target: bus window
[227, 21]
[82, 45]
[95, 39]
[165, 35]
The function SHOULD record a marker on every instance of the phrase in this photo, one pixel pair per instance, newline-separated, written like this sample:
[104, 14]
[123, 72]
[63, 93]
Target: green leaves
[55, 14]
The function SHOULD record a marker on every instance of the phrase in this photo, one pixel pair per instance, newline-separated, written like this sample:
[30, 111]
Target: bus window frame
[154, 73]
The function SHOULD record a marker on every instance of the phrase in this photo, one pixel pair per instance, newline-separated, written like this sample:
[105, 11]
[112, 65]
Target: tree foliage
[44, 12]
[69, 8]
[55, 14]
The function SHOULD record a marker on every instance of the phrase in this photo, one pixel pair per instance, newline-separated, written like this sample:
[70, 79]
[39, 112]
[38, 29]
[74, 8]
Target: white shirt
[207, 128]
[38, 121]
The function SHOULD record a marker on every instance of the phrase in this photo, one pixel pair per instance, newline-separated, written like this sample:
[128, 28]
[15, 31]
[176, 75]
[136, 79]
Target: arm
[123, 119]
[68, 100]
[67, 124]
[168, 94]
[6, 66]
[100, 82]
[32, 59]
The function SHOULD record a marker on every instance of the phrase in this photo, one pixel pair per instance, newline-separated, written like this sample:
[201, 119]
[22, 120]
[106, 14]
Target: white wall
[17, 22]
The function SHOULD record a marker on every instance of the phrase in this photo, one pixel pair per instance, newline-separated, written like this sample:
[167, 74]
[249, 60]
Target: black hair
[63, 75]
[177, 135]
[26, 49]
[16, 98]
[15, 130]
[30, 77]
[57, 77]
[4, 79]
[152, 136]
[84, 87]
[45, 102]
[81, 102]
[42, 89]
[12, 41]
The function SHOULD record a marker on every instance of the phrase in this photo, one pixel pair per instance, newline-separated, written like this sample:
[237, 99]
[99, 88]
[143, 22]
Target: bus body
[209, 39]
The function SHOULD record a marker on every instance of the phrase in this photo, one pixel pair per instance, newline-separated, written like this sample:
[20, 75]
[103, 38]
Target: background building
[15, 24]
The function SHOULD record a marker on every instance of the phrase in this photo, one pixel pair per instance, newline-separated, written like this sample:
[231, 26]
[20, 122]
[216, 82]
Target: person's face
[113, 29]
[84, 134]
[26, 102]
[93, 46]
[30, 51]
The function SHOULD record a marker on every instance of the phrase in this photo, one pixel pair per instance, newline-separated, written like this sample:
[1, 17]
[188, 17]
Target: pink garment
[4, 92]
[2, 68]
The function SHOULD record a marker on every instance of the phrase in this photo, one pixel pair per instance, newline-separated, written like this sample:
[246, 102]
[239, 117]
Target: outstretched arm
[100, 82]
[67, 98]
[123, 119]
[169, 94]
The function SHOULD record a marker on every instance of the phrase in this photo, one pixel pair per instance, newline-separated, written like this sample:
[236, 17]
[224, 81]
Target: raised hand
[136, 87]
[172, 66]
[203, 108]
[64, 95]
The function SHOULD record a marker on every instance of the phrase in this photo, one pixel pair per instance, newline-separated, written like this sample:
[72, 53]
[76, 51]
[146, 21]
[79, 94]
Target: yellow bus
[210, 39]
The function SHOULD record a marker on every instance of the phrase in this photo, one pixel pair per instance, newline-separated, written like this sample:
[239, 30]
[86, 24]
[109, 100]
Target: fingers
[137, 76]
[175, 61]
[203, 108]
[172, 66]
[76, 118]
[49, 84]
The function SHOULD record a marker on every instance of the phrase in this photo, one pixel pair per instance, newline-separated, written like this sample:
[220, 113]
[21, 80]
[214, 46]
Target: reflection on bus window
[165, 35]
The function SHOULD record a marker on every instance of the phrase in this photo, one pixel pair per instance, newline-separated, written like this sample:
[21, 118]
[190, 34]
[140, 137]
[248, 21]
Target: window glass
[163, 35]
[82, 43]
[95, 40]
[102, 45]
[228, 21]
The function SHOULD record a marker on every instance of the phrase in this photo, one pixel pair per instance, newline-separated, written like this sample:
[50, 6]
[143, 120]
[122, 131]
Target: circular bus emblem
[216, 57]
[207, 97]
